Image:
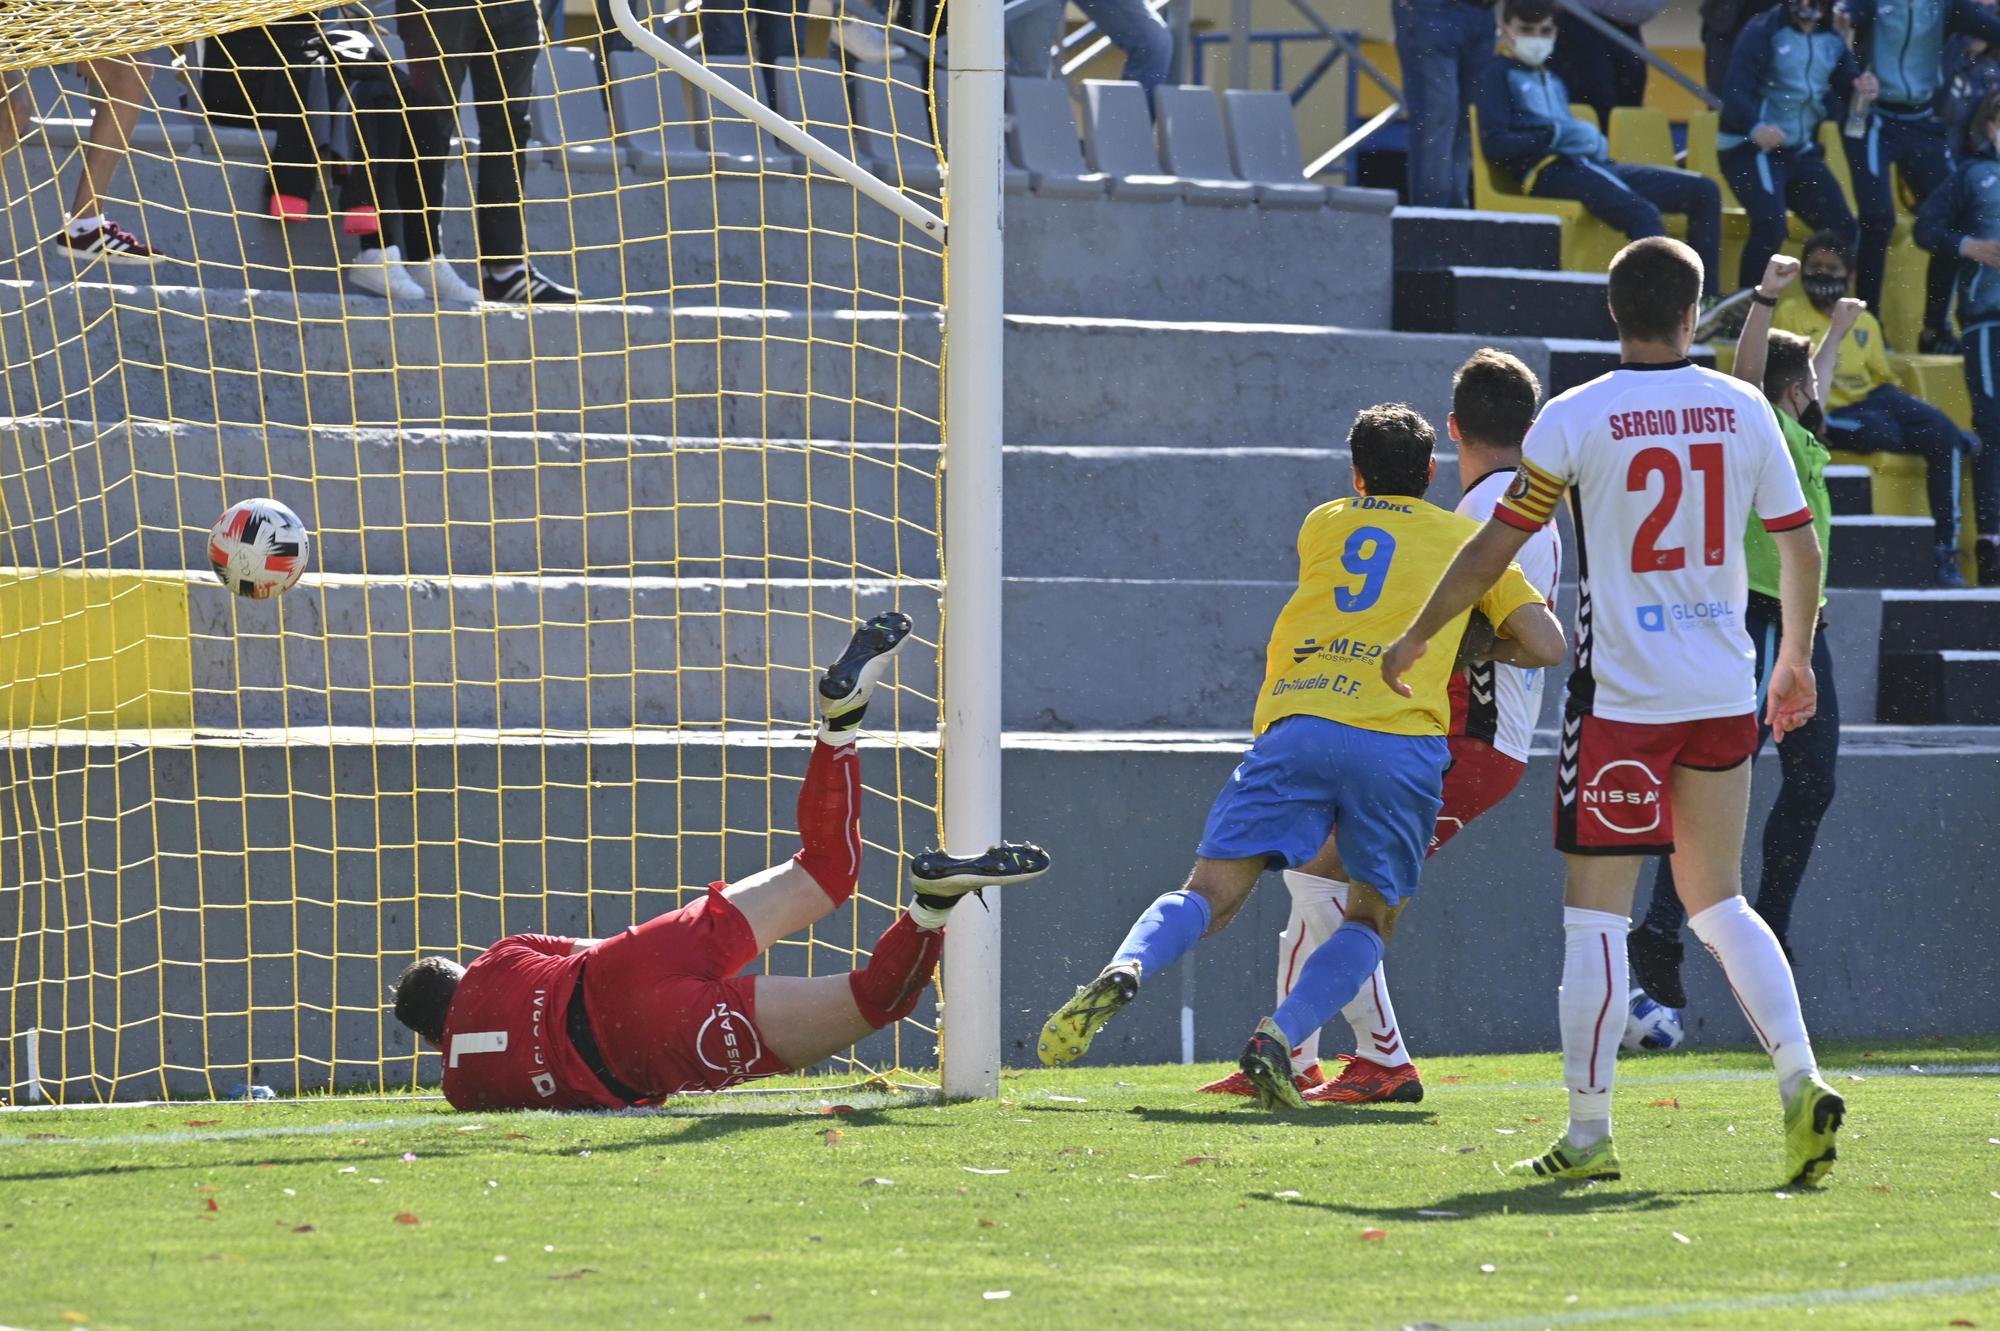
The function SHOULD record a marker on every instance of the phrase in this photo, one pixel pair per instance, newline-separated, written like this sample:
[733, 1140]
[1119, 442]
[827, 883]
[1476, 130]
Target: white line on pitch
[1914, 1289]
[181, 1136]
[1865, 1072]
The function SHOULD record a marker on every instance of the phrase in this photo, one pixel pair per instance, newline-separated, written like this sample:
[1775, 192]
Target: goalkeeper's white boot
[847, 684]
[936, 874]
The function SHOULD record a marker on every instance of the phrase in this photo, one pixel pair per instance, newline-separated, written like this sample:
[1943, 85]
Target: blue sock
[1167, 932]
[1330, 979]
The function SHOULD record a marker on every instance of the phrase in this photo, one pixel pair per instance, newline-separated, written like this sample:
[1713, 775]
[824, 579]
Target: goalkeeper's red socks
[830, 820]
[900, 970]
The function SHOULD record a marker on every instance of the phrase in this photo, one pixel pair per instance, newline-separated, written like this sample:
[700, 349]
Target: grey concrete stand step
[1503, 302]
[1851, 489]
[345, 855]
[1922, 621]
[1573, 362]
[780, 238]
[1432, 238]
[1876, 551]
[1948, 687]
[261, 358]
[438, 502]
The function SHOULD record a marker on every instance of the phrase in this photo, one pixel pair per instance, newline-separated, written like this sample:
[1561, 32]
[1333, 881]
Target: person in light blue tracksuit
[1961, 220]
[1527, 129]
[1902, 43]
[1786, 65]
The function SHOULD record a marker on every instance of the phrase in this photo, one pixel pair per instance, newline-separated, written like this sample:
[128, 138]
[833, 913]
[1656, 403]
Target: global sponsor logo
[728, 1043]
[1686, 614]
[1624, 797]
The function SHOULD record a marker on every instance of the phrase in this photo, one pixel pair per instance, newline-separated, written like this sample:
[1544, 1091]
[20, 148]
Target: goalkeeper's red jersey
[506, 1041]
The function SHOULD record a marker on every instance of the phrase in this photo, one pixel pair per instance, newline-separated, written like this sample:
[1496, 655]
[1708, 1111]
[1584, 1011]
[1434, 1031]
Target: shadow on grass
[1243, 1113]
[1556, 1197]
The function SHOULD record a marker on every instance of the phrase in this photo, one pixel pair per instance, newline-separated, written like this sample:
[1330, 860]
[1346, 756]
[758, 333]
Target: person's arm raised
[1756, 335]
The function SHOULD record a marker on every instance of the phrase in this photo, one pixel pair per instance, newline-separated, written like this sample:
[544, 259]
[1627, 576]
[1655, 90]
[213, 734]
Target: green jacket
[1810, 457]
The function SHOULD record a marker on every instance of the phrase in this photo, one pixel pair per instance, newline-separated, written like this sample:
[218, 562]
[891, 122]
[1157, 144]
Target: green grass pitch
[1091, 1198]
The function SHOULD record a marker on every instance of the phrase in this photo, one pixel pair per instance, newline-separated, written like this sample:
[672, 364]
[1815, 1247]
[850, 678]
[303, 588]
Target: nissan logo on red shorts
[1624, 796]
[727, 1042]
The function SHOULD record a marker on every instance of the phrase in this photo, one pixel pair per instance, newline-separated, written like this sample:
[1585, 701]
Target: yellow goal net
[608, 413]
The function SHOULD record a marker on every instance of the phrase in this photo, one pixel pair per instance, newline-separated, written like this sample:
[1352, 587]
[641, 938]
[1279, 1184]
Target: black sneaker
[1938, 342]
[525, 287]
[1948, 574]
[845, 688]
[110, 242]
[1724, 316]
[1655, 959]
[936, 874]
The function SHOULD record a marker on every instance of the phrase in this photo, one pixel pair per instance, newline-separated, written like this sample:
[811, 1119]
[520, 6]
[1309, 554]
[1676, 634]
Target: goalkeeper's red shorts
[670, 1012]
[1480, 776]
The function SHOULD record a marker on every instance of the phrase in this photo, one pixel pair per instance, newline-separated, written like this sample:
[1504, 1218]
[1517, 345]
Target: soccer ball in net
[1651, 1026]
[258, 548]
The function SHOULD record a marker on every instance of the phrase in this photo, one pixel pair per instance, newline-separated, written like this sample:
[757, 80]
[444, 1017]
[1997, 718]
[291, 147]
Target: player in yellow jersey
[1336, 751]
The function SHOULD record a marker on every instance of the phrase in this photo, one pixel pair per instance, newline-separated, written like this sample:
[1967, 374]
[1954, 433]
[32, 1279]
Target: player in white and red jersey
[541, 1022]
[1493, 710]
[1664, 462]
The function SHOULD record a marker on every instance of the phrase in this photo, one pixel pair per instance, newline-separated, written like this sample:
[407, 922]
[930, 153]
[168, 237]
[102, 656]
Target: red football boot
[1364, 1081]
[1238, 1084]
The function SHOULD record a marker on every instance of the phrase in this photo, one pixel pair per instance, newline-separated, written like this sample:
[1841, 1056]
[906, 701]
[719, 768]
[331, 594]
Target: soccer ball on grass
[258, 548]
[1651, 1026]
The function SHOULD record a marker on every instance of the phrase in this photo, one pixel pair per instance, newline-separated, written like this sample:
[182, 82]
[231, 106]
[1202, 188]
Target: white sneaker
[865, 42]
[437, 278]
[379, 272]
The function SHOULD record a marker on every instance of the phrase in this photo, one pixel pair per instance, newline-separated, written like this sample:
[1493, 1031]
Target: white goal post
[969, 1030]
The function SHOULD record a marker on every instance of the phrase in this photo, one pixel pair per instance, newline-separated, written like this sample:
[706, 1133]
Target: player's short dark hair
[1653, 282]
[1787, 362]
[423, 995]
[1527, 11]
[1494, 397]
[1835, 243]
[1392, 445]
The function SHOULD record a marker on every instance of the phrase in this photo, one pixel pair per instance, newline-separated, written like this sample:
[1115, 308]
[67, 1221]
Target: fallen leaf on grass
[1450, 1081]
[214, 1205]
[833, 1136]
[1666, 1104]
[1880, 1187]
[1961, 1321]
[76, 1317]
[814, 1238]
[303, 1229]
[407, 1218]
[988, 1172]
[195, 1123]
[878, 1183]
[1467, 1150]
[758, 1317]
[45, 1136]
[1373, 1235]
[577, 1274]
[1203, 1160]
[838, 1109]
[984, 1223]
[208, 1187]
[222, 1257]
[514, 1136]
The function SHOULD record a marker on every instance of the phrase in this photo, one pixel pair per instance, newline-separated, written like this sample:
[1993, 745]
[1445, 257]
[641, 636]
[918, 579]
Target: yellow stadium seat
[1702, 156]
[1587, 244]
[1641, 134]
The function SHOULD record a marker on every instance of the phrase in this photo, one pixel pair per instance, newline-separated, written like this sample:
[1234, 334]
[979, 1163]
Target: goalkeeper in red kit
[565, 1023]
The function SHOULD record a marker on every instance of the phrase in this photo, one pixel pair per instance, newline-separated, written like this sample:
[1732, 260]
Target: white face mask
[1534, 50]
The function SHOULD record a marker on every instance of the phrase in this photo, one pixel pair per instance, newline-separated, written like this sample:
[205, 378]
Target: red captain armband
[1531, 500]
[1790, 520]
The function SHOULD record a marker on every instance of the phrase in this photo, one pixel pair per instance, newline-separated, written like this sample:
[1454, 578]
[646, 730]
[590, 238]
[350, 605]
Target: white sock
[83, 226]
[1592, 1005]
[1760, 977]
[928, 917]
[500, 272]
[1321, 903]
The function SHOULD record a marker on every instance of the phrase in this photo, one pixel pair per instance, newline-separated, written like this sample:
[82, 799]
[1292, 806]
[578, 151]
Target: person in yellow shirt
[1336, 751]
[1867, 411]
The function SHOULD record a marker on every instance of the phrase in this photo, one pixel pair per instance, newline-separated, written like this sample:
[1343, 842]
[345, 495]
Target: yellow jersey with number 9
[1367, 565]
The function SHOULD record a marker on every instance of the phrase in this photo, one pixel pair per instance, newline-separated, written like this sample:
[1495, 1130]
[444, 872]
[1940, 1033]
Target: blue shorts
[1306, 776]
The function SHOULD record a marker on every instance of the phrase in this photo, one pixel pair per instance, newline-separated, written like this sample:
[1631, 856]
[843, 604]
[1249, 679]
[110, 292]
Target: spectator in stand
[1790, 371]
[1598, 71]
[494, 44]
[1901, 43]
[1527, 129]
[1445, 46]
[262, 77]
[1784, 66]
[1971, 70]
[1721, 22]
[118, 88]
[1130, 24]
[1868, 411]
[1963, 219]
[777, 27]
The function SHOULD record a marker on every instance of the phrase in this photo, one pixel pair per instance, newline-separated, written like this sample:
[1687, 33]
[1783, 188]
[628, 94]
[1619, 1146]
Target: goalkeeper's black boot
[1655, 959]
[845, 688]
[936, 874]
